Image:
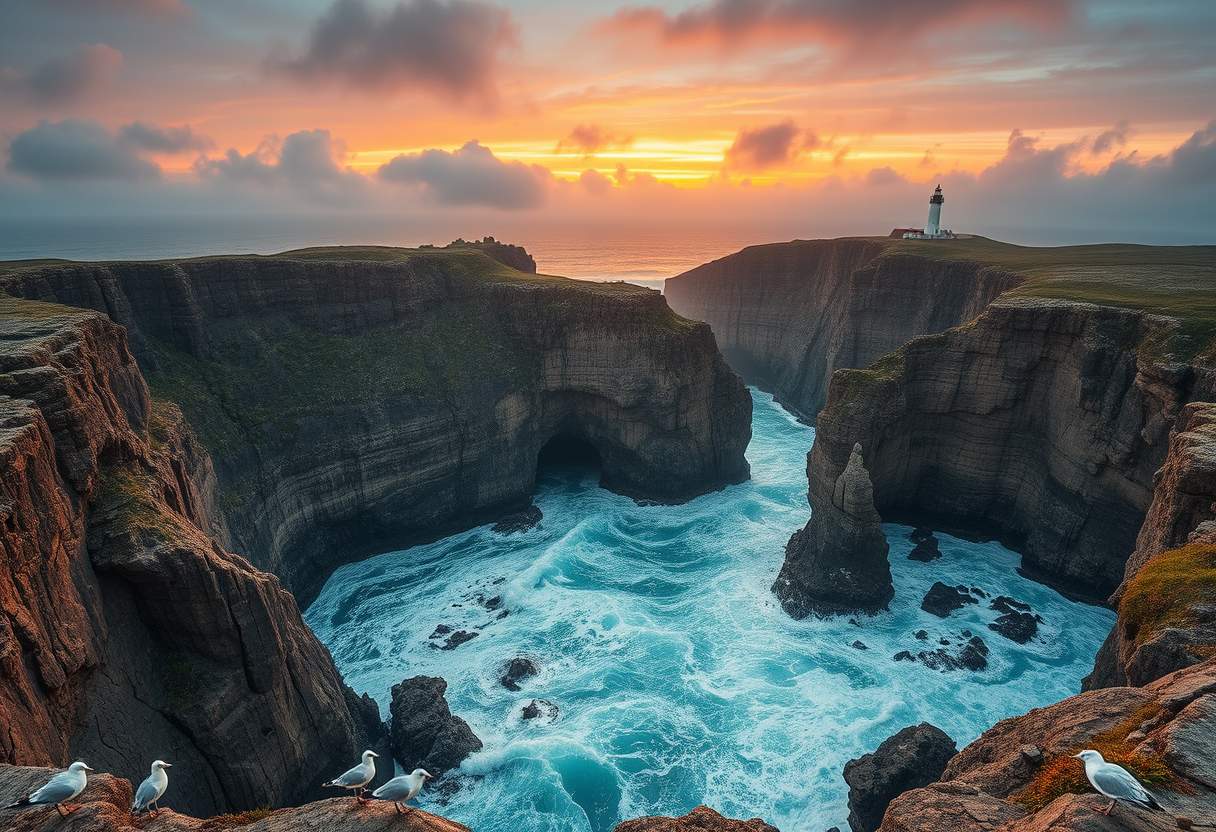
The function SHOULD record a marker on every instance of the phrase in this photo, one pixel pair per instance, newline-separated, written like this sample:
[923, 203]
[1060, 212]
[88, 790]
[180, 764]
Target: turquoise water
[678, 678]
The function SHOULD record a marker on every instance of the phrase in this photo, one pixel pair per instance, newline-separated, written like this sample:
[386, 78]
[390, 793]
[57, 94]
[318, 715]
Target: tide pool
[677, 677]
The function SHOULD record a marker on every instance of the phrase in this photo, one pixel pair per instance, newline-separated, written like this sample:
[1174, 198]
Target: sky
[1090, 118]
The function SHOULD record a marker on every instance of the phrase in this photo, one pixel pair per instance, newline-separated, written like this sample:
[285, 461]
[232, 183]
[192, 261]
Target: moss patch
[1166, 591]
[1062, 774]
[127, 501]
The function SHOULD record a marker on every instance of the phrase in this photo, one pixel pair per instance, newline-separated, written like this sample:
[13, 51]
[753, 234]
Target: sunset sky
[1089, 112]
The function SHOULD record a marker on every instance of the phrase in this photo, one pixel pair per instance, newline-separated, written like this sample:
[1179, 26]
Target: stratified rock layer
[838, 563]
[357, 399]
[127, 632]
[788, 315]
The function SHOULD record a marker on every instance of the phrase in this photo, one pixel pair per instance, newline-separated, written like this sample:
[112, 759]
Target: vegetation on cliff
[1167, 591]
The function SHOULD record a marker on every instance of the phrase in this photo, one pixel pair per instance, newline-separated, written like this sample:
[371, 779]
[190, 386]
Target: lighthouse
[933, 228]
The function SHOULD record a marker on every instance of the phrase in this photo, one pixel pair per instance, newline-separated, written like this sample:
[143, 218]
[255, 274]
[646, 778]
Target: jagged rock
[456, 639]
[941, 600]
[838, 563]
[440, 630]
[516, 670]
[1005, 604]
[922, 635]
[973, 656]
[909, 759]
[925, 551]
[516, 257]
[859, 645]
[520, 521]
[423, 730]
[700, 819]
[540, 709]
[1016, 626]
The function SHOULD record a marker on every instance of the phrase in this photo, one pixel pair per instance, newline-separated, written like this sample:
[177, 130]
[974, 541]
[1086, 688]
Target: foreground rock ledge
[700, 819]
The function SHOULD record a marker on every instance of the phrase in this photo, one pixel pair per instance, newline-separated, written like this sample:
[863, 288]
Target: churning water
[677, 677]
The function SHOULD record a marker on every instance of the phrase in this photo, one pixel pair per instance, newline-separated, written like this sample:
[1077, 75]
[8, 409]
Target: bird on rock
[1115, 782]
[403, 789]
[151, 790]
[358, 777]
[61, 788]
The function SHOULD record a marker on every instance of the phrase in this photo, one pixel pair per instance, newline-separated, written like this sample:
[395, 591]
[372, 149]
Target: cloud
[75, 150]
[594, 182]
[1111, 139]
[306, 160]
[65, 78]
[165, 8]
[472, 175]
[886, 175]
[589, 139]
[833, 22]
[1194, 161]
[156, 139]
[765, 147]
[449, 47]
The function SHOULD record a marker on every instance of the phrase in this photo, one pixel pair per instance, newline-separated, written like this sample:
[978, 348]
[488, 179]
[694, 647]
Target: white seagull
[61, 788]
[1115, 782]
[152, 789]
[357, 777]
[403, 789]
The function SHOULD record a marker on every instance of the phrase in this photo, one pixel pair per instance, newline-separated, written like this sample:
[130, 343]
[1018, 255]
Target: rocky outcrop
[700, 819]
[516, 257]
[838, 563]
[1019, 775]
[105, 804]
[425, 733]
[909, 759]
[1042, 421]
[788, 315]
[358, 399]
[127, 632]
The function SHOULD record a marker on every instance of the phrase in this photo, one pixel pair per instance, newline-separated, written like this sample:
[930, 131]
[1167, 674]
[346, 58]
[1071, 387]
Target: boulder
[941, 600]
[516, 670]
[1016, 626]
[910, 759]
[423, 731]
[541, 709]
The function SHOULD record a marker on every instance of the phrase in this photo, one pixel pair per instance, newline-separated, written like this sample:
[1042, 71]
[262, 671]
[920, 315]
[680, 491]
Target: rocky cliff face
[1042, 421]
[838, 563]
[788, 315]
[128, 633]
[358, 399]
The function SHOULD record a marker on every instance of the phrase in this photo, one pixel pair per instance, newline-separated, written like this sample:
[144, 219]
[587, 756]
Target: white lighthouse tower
[934, 227]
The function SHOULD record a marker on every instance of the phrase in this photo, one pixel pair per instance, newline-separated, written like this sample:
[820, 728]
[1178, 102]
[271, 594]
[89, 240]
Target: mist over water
[678, 678]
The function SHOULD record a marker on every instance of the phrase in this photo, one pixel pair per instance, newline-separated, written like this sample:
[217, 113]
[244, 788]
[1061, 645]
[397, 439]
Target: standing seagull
[1115, 782]
[62, 787]
[357, 777]
[151, 790]
[403, 789]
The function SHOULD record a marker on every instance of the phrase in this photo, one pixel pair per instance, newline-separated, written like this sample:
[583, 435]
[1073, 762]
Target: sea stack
[838, 563]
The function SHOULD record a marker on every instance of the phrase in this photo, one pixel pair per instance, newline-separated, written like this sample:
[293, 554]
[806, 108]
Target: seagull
[62, 787]
[1115, 782]
[152, 789]
[357, 777]
[401, 790]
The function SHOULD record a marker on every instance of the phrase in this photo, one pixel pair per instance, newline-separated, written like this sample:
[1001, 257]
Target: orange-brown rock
[700, 819]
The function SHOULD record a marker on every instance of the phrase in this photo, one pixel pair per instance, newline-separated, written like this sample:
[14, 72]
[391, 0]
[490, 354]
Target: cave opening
[568, 451]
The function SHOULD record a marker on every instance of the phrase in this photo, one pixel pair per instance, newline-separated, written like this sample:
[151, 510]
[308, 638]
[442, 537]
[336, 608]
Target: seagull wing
[353, 777]
[146, 794]
[61, 787]
[396, 789]
[1117, 782]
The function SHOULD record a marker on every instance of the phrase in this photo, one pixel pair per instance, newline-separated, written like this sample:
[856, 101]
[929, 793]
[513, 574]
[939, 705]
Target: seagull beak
[167, 765]
[88, 768]
[1075, 756]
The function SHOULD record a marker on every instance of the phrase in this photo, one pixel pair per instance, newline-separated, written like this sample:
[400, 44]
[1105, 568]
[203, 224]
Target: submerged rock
[1003, 603]
[838, 563]
[516, 670]
[910, 759]
[423, 730]
[520, 521]
[456, 639]
[926, 548]
[1020, 627]
[540, 709]
[972, 656]
[941, 600]
[859, 645]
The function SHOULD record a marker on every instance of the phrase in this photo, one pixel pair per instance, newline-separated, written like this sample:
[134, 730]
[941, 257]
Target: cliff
[127, 632]
[357, 399]
[787, 315]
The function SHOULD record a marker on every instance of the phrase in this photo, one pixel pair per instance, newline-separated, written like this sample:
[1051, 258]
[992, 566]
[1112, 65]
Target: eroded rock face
[114, 646]
[788, 315]
[358, 401]
[838, 563]
[425, 733]
[700, 819]
[909, 759]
